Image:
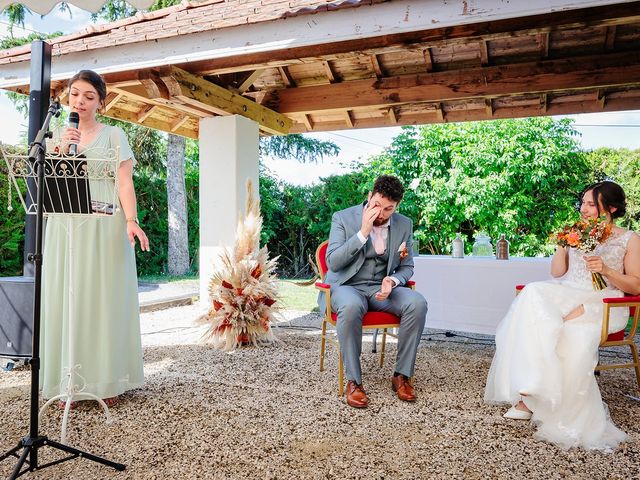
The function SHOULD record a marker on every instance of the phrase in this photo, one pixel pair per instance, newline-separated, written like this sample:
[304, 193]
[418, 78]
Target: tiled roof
[184, 18]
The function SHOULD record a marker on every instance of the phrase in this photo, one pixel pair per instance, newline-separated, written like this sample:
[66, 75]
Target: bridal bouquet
[586, 235]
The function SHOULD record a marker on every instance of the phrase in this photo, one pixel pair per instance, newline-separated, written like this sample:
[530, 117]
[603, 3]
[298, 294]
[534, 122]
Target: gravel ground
[268, 413]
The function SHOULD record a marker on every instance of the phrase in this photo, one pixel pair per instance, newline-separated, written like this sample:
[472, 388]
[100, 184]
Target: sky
[609, 129]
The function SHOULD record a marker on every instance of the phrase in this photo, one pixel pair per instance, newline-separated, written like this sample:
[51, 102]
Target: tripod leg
[88, 456]
[12, 452]
[16, 471]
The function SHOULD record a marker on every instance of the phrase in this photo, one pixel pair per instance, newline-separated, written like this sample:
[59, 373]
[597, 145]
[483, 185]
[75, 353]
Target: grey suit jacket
[345, 252]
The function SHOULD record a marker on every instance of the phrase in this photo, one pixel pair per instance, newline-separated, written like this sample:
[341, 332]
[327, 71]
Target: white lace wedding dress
[552, 361]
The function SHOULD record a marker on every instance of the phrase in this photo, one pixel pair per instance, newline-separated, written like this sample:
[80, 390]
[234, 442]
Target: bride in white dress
[547, 344]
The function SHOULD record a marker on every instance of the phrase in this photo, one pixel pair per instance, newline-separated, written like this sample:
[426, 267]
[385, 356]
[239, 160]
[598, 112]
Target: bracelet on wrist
[133, 219]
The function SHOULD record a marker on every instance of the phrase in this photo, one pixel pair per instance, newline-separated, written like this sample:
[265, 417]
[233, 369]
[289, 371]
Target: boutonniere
[404, 253]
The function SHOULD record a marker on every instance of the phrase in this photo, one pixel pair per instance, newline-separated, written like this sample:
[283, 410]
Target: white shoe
[516, 414]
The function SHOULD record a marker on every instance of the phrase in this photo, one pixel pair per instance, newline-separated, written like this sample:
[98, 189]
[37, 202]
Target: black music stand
[34, 441]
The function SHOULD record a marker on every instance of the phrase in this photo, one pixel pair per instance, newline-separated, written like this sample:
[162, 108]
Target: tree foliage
[12, 224]
[621, 166]
[117, 9]
[517, 177]
[297, 147]
[16, 13]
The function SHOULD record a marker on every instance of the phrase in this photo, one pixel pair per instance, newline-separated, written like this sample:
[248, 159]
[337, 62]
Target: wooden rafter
[392, 115]
[348, 119]
[307, 122]
[152, 122]
[428, 59]
[621, 69]
[484, 53]
[543, 44]
[249, 80]
[111, 100]
[145, 113]
[328, 71]
[375, 64]
[488, 107]
[601, 97]
[610, 37]
[179, 122]
[145, 94]
[544, 102]
[195, 91]
[287, 79]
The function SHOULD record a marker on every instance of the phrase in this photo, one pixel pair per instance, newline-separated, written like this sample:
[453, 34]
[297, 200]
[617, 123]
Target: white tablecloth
[473, 294]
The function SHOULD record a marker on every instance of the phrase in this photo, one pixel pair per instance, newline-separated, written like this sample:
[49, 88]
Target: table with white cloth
[472, 294]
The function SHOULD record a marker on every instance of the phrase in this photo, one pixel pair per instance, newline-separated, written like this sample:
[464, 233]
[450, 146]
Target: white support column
[228, 157]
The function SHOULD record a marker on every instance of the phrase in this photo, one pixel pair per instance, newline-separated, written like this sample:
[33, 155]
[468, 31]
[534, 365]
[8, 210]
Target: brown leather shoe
[356, 397]
[405, 391]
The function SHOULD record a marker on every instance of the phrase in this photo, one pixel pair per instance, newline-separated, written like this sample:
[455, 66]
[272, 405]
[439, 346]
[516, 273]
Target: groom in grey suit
[370, 261]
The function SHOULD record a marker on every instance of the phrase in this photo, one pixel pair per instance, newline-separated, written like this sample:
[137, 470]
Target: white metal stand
[101, 175]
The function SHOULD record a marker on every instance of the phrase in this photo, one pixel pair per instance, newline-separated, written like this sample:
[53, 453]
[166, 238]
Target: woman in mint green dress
[103, 304]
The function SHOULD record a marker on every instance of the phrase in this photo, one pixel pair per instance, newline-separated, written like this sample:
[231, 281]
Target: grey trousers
[351, 303]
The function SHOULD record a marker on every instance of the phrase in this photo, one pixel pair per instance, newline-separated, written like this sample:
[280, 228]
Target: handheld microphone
[74, 121]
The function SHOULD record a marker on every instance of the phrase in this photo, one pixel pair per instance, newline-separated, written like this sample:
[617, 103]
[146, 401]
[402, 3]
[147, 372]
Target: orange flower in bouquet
[586, 235]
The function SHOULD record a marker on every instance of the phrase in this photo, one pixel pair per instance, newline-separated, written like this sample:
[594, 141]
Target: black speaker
[16, 316]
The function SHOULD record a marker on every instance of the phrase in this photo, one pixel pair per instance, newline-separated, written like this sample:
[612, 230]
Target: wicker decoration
[243, 291]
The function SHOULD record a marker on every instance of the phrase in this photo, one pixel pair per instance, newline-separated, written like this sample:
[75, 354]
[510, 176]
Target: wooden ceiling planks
[537, 71]
[558, 63]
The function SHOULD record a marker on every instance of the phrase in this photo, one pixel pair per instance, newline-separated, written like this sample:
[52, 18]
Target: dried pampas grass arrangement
[243, 291]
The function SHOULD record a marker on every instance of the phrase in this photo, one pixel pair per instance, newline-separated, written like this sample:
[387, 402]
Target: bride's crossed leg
[573, 314]
[538, 337]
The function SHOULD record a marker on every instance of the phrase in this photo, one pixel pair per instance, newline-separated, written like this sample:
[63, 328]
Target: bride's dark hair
[610, 195]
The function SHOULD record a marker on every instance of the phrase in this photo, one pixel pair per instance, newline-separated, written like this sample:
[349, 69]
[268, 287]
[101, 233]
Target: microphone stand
[33, 442]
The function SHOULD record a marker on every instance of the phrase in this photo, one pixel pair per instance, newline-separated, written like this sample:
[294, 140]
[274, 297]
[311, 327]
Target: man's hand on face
[385, 289]
[369, 214]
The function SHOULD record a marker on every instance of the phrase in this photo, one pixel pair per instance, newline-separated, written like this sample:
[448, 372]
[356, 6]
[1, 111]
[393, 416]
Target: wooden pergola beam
[195, 91]
[464, 115]
[600, 71]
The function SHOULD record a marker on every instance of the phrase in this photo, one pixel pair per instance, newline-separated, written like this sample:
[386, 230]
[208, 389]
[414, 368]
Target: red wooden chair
[622, 337]
[370, 321]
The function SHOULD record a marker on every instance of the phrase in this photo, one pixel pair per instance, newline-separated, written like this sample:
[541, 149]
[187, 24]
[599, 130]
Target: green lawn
[296, 297]
[293, 295]
[166, 278]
